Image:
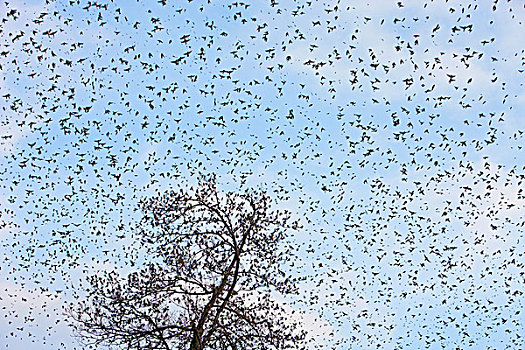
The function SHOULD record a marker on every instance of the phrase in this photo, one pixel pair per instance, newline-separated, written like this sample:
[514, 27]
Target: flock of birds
[392, 131]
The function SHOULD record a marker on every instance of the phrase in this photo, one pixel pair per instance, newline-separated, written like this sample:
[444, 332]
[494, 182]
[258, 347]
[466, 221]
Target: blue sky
[391, 130]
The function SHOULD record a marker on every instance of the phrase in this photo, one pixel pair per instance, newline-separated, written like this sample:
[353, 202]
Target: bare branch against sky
[217, 262]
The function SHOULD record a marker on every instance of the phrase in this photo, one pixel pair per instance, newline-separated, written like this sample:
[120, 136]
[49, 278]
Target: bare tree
[214, 266]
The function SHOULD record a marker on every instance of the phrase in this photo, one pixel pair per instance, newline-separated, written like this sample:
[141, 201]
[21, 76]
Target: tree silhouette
[214, 266]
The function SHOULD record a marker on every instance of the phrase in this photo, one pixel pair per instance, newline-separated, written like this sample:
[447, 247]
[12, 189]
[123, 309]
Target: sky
[390, 129]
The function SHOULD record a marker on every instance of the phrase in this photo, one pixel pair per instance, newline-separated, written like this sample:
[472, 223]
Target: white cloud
[32, 318]
[316, 328]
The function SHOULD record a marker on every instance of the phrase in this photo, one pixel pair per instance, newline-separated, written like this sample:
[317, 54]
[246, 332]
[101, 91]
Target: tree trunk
[196, 341]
